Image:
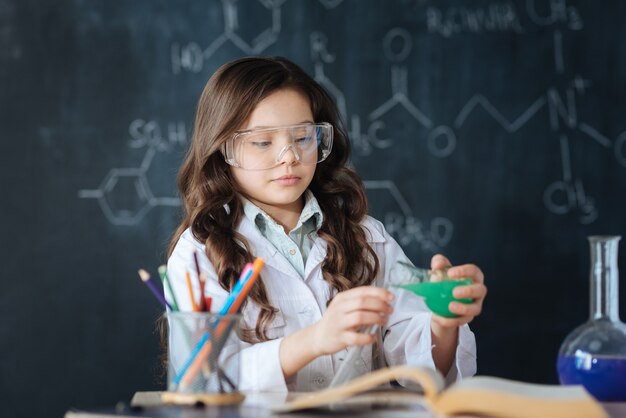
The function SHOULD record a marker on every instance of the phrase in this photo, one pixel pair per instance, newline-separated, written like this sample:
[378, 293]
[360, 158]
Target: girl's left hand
[476, 291]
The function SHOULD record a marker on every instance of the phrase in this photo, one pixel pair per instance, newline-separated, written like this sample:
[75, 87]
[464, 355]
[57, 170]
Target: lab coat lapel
[316, 256]
[261, 247]
[373, 235]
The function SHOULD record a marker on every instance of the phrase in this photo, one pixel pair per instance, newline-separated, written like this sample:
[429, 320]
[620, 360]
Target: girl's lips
[288, 180]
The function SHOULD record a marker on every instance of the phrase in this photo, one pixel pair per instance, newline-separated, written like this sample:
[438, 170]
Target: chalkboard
[490, 131]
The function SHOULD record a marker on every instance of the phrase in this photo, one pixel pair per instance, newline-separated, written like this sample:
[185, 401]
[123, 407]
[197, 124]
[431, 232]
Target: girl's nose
[286, 157]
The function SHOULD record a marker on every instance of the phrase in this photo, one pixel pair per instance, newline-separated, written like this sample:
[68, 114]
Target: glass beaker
[594, 354]
[203, 358]
[433, 285]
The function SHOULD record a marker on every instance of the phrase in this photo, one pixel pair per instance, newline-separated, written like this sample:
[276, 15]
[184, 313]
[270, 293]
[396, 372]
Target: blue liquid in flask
[594, 354]
[603, 376]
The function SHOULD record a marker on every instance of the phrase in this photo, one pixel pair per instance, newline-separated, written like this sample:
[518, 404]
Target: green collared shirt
[296, 245]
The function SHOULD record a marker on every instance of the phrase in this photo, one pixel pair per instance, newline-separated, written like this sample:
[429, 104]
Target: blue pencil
[243, 278]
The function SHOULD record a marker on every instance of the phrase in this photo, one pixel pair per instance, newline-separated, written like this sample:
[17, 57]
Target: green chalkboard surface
[490, 131]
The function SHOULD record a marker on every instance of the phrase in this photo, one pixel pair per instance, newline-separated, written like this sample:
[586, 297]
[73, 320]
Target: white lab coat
[301, 303]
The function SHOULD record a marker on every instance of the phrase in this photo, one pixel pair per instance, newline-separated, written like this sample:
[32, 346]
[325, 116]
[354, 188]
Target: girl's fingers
[365, 291]
[439, 262]
[467, 312]
[366, 303]
[472, 291]
[364, 298]
[354, 338]
[467, 270]
[355, 320]
[476, 291]
[462, 309]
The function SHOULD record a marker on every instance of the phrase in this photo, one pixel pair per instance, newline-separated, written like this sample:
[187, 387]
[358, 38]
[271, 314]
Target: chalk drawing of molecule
[405, 227]
[125, 195]
[192, 56]
[561, 196]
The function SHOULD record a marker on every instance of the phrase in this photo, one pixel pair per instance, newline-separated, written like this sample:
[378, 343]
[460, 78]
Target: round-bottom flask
[594, 354]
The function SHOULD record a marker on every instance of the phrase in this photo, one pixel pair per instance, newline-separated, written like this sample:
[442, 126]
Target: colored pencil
[145, 277]
[166, 282]
[207, 302]
[190, 287]
[235, 300]
[207, 299]
[200, 282]
[196, 365]
[245, 275]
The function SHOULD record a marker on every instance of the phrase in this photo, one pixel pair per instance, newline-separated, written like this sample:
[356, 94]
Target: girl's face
[279, 188]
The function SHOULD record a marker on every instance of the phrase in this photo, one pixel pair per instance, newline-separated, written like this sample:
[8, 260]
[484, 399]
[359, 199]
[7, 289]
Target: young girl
[266, 176]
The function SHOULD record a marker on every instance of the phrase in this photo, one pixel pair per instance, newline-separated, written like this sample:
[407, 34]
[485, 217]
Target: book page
[496, 397]
[530, 390]
[431, 381]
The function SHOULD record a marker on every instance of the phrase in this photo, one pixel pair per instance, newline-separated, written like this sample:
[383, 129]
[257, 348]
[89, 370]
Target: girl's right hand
[348, 312]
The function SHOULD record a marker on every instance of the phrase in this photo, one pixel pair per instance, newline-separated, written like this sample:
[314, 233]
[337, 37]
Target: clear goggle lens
[261, 149]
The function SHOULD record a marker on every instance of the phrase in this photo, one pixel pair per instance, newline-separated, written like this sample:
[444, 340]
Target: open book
[479, 395]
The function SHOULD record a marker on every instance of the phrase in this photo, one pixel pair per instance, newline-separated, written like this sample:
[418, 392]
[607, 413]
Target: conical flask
[594, 354]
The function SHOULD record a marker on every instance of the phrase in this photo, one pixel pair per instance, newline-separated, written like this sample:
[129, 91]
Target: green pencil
[163, 273]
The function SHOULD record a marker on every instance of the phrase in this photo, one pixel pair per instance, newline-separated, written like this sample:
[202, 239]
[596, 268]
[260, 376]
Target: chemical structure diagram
[134, 181]
[562, 196]
[191, 56]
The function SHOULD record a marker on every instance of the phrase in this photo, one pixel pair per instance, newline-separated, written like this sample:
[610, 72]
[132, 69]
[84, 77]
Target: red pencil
[207, 299]
[201, 306]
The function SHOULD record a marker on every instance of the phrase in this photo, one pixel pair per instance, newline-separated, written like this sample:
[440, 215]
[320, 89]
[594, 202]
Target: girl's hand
[476, 291]
[347, 313]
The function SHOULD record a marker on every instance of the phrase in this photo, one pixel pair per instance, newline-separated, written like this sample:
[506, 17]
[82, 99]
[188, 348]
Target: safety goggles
[264, 148]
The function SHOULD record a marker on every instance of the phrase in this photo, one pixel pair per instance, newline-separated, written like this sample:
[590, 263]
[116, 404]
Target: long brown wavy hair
[206, 185]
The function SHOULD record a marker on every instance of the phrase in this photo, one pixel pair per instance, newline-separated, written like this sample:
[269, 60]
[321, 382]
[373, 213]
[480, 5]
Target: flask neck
[604, 278]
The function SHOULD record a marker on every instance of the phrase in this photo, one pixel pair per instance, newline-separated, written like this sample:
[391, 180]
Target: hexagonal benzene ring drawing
[253, 42]
[234, 24]
[404, 226]
[125, 196]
